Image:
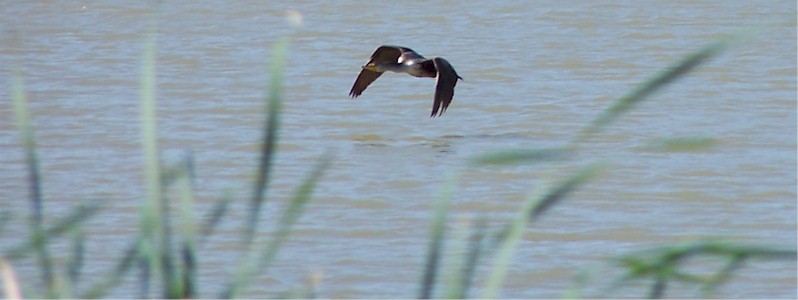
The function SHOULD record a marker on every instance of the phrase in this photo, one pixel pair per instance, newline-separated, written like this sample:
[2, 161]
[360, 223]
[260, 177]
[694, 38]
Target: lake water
[535, 73]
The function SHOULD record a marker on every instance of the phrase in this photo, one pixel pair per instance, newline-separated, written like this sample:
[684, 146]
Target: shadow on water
[443, 144]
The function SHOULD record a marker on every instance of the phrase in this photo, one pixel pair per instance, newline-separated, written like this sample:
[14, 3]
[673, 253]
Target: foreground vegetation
[164, 251]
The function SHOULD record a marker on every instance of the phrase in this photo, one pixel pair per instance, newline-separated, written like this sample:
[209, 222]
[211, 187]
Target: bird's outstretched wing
[365, 78]
[383, 54]
[445, 81]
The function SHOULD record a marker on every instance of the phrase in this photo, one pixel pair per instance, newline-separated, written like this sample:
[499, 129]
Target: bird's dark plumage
[405, 60]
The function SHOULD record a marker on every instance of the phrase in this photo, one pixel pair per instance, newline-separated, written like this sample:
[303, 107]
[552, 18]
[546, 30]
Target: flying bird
[405, 60]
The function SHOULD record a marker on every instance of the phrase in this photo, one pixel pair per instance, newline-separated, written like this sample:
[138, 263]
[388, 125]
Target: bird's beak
[370, 68]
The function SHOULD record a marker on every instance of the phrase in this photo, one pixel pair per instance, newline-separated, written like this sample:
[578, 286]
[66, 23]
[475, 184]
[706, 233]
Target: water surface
[534, 74]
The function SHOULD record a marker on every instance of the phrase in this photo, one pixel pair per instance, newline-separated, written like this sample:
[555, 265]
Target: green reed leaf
[38, 235]
[507, 246]
[61, 226]
[218, 211]
[562, 189]
[75, 262]
[662, 265]
[674, 72]
[437, 237]
[270, 134]
[465, 255]
[151, 221]
[114, 276]
[535, 205]
[259, 257]
[187, 232]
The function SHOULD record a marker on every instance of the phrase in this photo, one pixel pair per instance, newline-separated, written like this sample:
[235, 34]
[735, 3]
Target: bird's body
[405, 60]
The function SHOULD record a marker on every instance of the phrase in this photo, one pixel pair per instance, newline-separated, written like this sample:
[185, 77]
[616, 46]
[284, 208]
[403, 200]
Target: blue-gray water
[535, 73]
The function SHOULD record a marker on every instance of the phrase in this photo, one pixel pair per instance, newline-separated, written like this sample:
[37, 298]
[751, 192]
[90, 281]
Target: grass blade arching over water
[562, 189]
[257, 256]
[466, 254]
[271, 129]
[37, 232]
[60, 227]
[436, 239]
[506, 247]
[536, 204]
[75, 262]
[22, 118]
[114, 276]
[188, 233]
[664, 264]
[217, 213]
[260, 257]
[654, 84]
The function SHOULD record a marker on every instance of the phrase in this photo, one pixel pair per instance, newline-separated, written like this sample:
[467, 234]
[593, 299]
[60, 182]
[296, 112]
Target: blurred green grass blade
[709, 247]
[149, 135]
[535, 205]
[114, 276]
[437, 237]
[270, 134]
[215, 216]
[259, 258]
[75, 262]
[188, 256]
[188, 232]
[676, 71]
[681, 144]
[145, 255]
[475, 250]
[564, 188]
[295, 207]
[515, 157]
[60, 227]
[661, 264]
[151, 220]
[11, 287]
[465, 253]
[5, 219]
[169, 270]
[734, 263]
[40, 239]
[507, 246]
[455, 259]
[714, 247]
[554, 195]
[22, 117]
